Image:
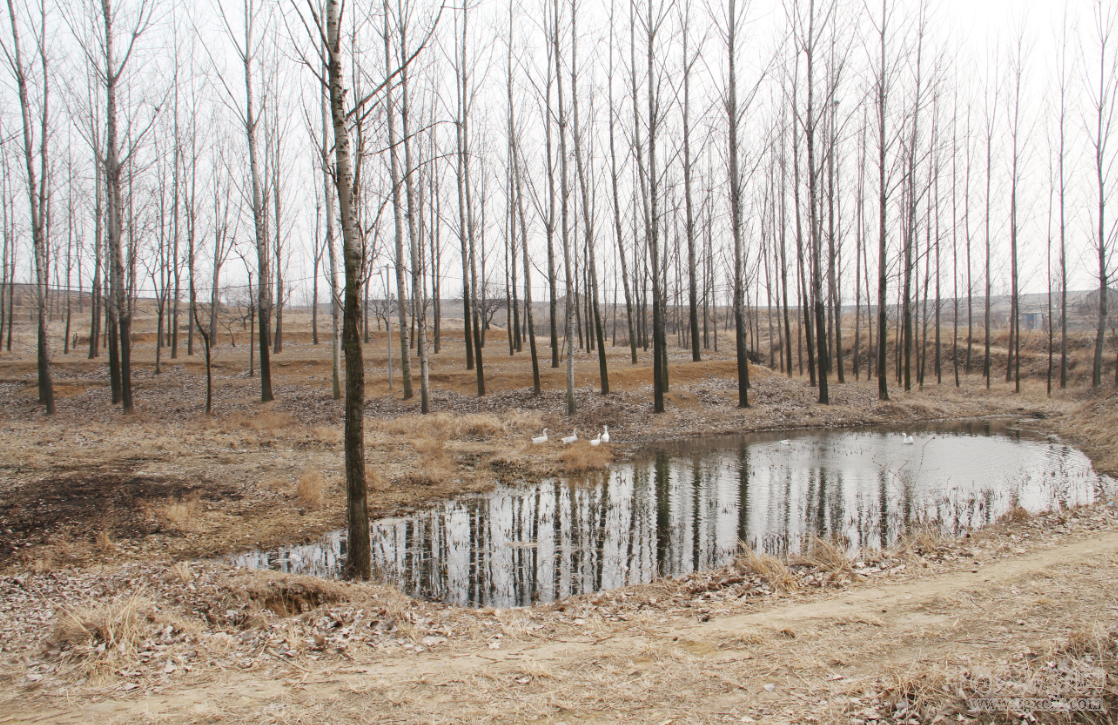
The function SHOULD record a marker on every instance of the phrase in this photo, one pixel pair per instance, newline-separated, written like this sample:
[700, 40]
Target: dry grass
[374, 481]
[477, 425]
[104, 541]
[182, 513]
[825, 555]
[182, 571]
[938, 690]
[524, 421]
[1015, 515]
[329, 434]
[1092, 427]
[103, 635]
[918, 541]
[771, 569]
[310, 489]
[269, 422]
[580, 457]
[434, 466]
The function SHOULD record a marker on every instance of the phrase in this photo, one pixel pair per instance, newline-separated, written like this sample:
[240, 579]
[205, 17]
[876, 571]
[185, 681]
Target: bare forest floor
[113, 609]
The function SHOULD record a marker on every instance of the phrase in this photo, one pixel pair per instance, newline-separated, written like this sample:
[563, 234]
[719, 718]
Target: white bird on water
[786, 442]
[567, 440]
[605, 434]
[540, 439]
[907, 439]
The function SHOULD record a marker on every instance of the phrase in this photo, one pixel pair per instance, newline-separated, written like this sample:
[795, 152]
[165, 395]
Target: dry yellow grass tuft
[330, 434]
[374, 481]
[310, 490]
[476, 425]
[581, 456]
[524, 421]
[825, 555]
[771, 569]
[103, 634]
[182, 513]
[268, 421]
[919, 541]
[104, 541]
[182, 571]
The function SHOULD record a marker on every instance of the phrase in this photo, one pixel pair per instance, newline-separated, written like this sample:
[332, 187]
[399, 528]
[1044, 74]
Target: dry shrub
[182, 513]
[310, 489]
[771, 569]
[825, 555]
[580, 456]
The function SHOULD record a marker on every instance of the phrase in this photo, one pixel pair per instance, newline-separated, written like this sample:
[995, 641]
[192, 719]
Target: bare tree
[1103, 103]
[38, 186]
[587, 214]
[246, 46]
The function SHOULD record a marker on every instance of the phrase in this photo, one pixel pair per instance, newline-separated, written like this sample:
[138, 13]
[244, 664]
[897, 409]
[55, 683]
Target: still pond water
[684, 506]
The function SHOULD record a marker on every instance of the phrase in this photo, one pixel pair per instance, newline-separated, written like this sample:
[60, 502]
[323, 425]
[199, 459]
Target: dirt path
[838, 656]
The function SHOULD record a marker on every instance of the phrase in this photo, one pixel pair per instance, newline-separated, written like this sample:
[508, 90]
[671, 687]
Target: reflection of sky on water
[685, 506]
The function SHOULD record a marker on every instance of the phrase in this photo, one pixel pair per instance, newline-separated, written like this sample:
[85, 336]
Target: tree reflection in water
[685, 506]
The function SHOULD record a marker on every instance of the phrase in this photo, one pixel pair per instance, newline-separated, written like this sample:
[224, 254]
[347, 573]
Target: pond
[684, 506]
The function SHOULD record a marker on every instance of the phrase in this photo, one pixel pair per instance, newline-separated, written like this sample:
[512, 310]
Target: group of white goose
[603, 437]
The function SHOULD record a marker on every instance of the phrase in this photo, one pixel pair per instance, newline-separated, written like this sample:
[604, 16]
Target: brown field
[112, 608]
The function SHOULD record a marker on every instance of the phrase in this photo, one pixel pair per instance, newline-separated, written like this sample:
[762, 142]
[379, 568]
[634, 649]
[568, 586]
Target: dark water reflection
[684, 506]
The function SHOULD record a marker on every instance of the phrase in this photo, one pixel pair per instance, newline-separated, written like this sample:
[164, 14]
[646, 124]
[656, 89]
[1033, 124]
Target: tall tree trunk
[587, 220]
[263, 276]
[417, 286]
[358, 563]
[882, 84]
[732, 113]
[328, 190]
[617, 208]
[38, 198]
[397, 212]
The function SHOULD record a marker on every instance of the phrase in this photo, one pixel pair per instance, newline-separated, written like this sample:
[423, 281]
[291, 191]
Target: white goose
[907, 439]
[540, 439]
[605, 434]
[567, 440]
[596, 441]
